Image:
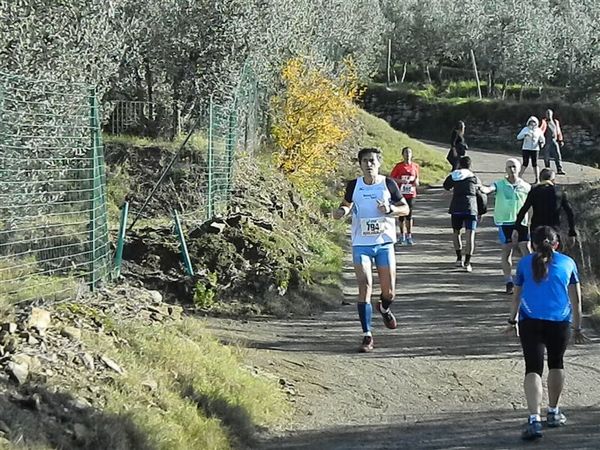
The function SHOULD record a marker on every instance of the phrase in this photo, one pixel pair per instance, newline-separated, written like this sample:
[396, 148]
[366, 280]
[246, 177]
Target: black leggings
[538, 334]
[530, 154]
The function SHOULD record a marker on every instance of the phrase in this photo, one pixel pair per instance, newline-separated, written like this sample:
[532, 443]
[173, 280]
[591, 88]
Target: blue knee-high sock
[365, 312]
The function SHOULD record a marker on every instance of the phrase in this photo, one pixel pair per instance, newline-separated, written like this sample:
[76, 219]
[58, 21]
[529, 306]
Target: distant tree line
[177, 53]
[547, 41]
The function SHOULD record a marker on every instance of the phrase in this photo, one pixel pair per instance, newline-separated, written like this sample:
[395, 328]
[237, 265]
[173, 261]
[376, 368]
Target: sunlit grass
[378, 133]
[204, 397]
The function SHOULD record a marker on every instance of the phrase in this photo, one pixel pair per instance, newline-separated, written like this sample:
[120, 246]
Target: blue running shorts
[383, 254]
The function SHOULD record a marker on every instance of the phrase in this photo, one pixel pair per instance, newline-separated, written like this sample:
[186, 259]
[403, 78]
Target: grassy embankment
[378, 133]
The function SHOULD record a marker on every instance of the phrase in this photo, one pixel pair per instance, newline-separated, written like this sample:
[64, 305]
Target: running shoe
[560, 172]
[469, 268]
[555, 419]
[532, 431]
[367, 345]
[459, 263]
[409, 241]
[402, 241]
[388, 318]
[510, 288]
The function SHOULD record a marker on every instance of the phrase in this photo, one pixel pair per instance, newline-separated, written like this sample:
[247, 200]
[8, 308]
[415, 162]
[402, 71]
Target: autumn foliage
[312, 120]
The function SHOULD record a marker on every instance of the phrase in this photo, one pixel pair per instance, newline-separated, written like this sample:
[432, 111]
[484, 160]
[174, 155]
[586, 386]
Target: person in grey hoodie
[463, 209]
[533, 140]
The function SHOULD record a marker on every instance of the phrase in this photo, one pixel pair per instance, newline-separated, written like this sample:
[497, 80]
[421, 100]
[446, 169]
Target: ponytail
[544, 241]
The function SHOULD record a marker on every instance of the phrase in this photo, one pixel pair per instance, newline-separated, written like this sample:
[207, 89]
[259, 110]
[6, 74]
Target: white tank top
[369, 225]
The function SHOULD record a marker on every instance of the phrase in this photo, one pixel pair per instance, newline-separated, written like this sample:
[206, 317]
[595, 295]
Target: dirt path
[446, 378]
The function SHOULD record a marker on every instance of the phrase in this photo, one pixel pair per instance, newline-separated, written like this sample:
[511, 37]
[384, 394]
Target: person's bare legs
[556, 381]
[456, 240]
[533, 392]
[525, 248]
[470, 242]
[506, 261]
[364, 278]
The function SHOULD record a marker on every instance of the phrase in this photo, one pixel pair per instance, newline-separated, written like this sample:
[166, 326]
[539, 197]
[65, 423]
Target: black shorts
[537, 335]
[464, 220]
[530, 155]
[507, 230]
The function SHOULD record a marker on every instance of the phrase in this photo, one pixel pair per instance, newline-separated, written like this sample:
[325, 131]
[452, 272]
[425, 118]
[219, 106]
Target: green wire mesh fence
[203, 169]
[53, 223]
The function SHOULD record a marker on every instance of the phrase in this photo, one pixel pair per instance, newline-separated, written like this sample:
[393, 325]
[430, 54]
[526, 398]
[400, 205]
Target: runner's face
[407, 155]
[511, 168]
[369, 164]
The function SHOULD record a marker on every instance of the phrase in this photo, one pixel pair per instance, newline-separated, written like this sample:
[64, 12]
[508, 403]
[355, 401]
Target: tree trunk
[175, 106]
[403, 73]
[150, 88]
[504, 89]
[389, 62]
[476, 74]
[428, 73]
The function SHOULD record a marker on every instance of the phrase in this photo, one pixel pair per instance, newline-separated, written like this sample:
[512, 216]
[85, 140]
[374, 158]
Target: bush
[312, 120]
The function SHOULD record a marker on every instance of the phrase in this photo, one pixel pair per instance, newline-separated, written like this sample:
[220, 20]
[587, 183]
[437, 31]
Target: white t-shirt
[369, 225]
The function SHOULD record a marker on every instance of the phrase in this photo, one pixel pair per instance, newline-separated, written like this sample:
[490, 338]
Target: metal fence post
[92, 218]
[210, 158]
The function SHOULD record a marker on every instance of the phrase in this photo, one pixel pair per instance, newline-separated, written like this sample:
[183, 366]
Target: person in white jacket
[533, 140]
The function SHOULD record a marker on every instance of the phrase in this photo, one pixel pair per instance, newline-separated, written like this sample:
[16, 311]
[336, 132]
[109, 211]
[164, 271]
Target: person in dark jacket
[547, 200]
[458, 145]
[463, 209]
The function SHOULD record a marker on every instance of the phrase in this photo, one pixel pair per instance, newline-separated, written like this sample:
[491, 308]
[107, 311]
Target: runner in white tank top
[375, 202]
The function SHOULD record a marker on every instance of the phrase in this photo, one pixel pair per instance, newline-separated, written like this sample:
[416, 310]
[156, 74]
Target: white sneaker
[459, 263]
[468, 268]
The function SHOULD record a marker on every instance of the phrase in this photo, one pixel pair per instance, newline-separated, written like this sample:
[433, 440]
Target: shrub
[312, 120]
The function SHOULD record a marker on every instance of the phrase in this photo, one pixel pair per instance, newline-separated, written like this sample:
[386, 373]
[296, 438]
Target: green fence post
[210, 158]
[121, 239]
[185, 256]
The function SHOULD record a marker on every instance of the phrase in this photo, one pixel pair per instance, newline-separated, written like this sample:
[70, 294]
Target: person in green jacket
[511, 193]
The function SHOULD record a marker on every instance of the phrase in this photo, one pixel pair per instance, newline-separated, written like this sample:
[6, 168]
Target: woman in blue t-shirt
[547, 299]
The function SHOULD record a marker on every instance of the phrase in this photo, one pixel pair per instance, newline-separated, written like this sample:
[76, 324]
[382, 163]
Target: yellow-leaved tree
[312, 119]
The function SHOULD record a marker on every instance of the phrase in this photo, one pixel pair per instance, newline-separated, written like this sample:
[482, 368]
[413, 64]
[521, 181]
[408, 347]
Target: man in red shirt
[406, 174]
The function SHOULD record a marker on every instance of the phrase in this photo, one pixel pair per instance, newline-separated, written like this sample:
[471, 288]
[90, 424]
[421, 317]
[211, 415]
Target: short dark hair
[460, 125]
[363, 151]
[464, 162]
[547, 174]
[405, 149]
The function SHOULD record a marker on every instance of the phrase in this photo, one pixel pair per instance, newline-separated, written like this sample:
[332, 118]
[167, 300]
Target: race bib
[373, 227]
[406, 189]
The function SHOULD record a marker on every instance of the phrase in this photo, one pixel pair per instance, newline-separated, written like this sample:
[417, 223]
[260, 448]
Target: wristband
[512, 322]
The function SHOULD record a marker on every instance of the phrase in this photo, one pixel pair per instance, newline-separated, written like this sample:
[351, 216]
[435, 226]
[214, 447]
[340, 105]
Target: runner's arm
[515, 303]
[488, 189]
[346, 204]
[398, 206]
[575, 298]
[524, 208]
[448, 183]
[523, 133]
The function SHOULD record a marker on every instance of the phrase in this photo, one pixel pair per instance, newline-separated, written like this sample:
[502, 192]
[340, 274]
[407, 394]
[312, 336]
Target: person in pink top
[406, 174]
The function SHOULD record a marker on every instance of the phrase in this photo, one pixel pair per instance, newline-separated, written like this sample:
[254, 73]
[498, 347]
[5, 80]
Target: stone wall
[492, 125]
